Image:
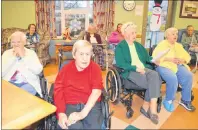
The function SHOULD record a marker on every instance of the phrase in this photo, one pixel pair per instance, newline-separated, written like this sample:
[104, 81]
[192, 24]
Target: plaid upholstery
[100, 56]
[42, 49]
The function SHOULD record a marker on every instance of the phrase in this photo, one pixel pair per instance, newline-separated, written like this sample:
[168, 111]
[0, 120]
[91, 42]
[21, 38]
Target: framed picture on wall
[189, 9]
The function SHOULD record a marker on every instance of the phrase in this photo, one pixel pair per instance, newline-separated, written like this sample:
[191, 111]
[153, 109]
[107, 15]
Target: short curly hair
[126, 25]
[19, 34]
[172, 29]
[81, 43]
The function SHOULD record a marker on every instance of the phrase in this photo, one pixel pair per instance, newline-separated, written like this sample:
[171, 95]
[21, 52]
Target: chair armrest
[153, 65]
[43, 84]
[43, 44]
[120, 70]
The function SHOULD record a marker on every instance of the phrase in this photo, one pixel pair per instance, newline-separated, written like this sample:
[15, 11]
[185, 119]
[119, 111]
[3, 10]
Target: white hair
[19, 34]
[169, 30]
[126, 25]
[79, 44]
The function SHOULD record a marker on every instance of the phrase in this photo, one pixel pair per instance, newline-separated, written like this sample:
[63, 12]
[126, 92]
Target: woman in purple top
[116, 36]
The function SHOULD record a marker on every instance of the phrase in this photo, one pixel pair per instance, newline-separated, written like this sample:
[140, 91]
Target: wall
[122, 16]
[21, 13]
[17, 13]
[181, 23]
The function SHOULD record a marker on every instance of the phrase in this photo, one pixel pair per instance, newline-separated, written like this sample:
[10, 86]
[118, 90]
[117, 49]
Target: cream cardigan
[29, 66]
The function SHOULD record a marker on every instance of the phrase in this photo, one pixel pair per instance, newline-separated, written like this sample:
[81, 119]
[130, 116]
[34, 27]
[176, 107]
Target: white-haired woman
[93, 37]
[21, 66]
[134, 59]
[173, 69]
[77, 91]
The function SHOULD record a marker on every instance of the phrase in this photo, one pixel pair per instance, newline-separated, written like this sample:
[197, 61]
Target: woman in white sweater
[21, 66]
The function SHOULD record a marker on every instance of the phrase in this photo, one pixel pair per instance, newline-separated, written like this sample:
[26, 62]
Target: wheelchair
[50, 122]
[179, 89]
[122, 90]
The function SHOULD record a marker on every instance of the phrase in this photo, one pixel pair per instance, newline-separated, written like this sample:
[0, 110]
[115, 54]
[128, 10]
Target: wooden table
[21, 109]
[66, 47]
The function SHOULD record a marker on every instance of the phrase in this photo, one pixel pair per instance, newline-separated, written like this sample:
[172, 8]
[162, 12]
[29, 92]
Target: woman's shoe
[168, 106]
[153, 117]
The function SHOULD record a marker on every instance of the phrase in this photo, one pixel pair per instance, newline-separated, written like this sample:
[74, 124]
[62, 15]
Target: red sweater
[73, 86]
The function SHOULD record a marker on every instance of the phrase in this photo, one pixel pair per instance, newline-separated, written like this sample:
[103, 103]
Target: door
[157, 18]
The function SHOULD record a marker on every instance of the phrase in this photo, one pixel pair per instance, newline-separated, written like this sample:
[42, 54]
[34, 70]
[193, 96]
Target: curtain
[104, 13]
[45, 16]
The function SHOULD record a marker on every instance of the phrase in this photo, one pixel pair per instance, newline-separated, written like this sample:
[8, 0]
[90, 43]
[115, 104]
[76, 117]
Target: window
[74, 14]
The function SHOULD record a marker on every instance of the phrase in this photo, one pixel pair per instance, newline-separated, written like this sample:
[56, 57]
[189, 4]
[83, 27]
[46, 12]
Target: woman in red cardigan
[77, 91]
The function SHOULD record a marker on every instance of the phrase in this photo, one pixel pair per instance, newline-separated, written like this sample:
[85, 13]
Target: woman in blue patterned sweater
[32, 37]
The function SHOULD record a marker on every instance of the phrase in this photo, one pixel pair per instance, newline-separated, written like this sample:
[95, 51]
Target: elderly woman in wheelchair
[134, 61]
[174, 70]
[21, 66]
[77, 91]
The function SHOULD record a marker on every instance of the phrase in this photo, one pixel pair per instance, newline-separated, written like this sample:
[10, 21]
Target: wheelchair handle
[120, 70]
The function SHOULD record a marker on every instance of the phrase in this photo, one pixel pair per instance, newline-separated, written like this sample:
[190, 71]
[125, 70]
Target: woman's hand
[18, 52]
[75, 117]
[180, 61]
[157, 62]
[140, 70]
[63, 121]
[176, 60]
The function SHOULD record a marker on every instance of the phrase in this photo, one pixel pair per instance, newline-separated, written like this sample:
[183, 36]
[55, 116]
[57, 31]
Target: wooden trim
[170, 14]
[144, 22]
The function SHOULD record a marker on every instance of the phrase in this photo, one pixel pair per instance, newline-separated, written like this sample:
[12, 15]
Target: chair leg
[159, 104]
[195, 69]
[128, 104]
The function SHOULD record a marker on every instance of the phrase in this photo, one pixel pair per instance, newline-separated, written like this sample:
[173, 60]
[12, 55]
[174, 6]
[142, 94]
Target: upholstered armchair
[42, 47]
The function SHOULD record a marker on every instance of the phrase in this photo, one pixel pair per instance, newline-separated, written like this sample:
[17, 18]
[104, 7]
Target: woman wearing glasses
[133, 58]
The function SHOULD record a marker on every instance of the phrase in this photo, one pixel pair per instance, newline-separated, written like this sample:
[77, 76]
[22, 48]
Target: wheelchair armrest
[120, 70]
[43, 84]
[152, 64]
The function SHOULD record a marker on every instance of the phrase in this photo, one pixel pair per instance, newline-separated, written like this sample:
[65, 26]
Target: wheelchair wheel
[51, 121]
[113, 85]
[106, 109]
[60, 58]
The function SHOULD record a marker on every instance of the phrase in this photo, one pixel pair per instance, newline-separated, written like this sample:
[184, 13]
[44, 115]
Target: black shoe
[187, 105]
[179, 89]
[153, 117]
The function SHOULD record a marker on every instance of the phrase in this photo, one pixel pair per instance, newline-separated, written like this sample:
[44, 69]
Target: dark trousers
[151, 81]
[93, 120]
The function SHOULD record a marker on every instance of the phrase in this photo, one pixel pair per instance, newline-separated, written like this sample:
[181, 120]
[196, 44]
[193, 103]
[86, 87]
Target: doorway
[156, 19]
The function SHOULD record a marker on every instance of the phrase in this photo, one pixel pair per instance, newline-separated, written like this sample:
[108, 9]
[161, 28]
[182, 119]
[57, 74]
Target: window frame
[86, 11]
